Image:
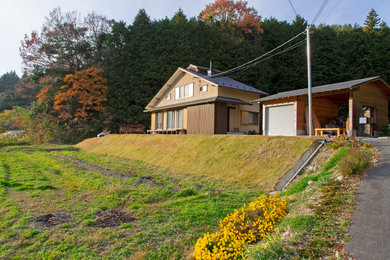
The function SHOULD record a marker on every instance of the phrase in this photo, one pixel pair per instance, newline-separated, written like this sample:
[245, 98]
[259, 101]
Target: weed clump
[355, 161]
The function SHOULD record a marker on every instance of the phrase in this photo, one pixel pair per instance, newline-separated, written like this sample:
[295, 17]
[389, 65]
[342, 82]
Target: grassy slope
[250, 161]
[320, 214]
[170, 213]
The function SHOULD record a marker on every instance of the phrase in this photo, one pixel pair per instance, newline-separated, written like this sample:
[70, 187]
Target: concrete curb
[309, 154]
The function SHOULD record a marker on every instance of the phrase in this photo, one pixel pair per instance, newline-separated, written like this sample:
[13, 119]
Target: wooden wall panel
[153, 121]
[200, 119]
[372, 95]
[221, 118]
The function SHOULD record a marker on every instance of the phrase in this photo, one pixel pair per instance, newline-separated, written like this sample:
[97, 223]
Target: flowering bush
[343, 141]
[247, 225]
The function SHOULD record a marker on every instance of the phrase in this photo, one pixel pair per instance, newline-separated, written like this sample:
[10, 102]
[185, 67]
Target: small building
[195, 100]
[359, 107]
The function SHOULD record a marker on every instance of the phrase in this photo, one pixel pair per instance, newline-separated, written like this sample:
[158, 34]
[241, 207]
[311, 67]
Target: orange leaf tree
[233, 12]
[83, 96]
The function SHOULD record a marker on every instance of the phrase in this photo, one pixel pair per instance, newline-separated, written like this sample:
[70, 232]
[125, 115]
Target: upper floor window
[167, 97]
[203, 88]
[184, 91]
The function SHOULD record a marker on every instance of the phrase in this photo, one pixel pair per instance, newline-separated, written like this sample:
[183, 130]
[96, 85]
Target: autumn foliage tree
[233, 12]
[83, 96]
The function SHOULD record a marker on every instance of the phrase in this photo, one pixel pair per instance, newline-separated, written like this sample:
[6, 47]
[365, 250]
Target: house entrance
[367, 121]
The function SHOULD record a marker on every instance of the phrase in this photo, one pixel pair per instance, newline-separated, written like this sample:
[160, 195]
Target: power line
[292, 6]
[320, 11]
[275, 54]
[331, 11]
[296, 45]
[258, 58]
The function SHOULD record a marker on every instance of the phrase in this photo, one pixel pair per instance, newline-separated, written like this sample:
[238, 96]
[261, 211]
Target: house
[195, 100]
[359, 107]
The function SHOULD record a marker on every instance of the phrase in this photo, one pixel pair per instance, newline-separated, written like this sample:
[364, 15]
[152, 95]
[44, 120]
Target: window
[159, 120]
[167, 97]
[184, 91]
[203, 88]
[253, 118]
[249, 118]
[179, 118]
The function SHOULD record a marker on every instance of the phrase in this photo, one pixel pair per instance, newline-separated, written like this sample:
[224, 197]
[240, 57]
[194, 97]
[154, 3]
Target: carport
[359, 107]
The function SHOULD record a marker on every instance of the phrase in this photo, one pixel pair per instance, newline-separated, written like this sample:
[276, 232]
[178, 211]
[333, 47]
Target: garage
[280, 120]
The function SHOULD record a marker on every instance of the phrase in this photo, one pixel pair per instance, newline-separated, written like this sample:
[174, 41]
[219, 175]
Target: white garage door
[279, 120]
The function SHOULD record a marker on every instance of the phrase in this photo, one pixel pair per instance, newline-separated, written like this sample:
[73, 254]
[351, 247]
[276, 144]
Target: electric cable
[292, 6]
[320, 11]
[258, 58]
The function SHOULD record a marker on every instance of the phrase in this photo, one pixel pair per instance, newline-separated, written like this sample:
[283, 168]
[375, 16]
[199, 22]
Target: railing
[176, 131]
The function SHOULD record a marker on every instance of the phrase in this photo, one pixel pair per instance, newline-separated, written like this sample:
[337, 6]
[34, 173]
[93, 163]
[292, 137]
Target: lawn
[245, 161]
[59, 202]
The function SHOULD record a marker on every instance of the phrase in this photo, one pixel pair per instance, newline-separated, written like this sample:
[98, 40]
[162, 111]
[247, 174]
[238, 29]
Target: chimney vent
[210, 71]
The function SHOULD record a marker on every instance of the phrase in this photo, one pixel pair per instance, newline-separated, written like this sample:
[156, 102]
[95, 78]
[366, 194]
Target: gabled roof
[200, 101]
[225, 82]
[216, 81]
[320, 89]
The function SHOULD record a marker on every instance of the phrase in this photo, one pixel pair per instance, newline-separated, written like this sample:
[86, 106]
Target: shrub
[354, 161]
[220, 245]
[344, 141]
[249, 224]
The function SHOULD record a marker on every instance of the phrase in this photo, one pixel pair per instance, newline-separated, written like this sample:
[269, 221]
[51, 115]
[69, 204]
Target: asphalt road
[370, 229]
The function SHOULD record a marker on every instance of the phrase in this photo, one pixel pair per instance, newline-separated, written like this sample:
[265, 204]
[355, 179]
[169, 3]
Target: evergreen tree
[372, 21]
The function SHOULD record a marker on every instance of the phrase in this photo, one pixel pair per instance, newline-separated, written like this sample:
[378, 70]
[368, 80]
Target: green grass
[168, 213]
[303, 223]
[250, 161]
[303, 183]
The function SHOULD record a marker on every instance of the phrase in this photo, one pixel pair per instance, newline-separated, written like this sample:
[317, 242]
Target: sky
[20, 17]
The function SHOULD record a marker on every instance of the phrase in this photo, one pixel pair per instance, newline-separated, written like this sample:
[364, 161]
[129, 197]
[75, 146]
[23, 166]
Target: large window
[184, 91]
[175, 119]
[159, 120]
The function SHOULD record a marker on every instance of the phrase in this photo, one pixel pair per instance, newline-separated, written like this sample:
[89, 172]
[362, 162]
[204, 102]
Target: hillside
[250, 161]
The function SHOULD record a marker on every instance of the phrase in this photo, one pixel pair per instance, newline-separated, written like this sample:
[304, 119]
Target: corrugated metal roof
[319, 89]
[226, 82]
[200, 101]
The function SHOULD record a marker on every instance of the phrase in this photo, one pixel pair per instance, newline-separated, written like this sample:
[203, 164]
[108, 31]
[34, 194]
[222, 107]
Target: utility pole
[309, 81]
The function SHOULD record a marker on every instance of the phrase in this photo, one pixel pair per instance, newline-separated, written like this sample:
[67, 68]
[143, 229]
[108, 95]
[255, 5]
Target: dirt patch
[113, 218]
[93, 168]
[51, 219]
[145, 180]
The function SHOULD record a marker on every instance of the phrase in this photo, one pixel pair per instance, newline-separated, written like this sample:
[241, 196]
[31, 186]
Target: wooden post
[350, 113]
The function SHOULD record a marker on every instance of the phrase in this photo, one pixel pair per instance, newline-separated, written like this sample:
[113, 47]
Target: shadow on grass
[33, 148]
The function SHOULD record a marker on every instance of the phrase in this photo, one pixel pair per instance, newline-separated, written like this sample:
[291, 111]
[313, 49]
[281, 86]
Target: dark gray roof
[200, 101]
[226, 82]
[319, 89]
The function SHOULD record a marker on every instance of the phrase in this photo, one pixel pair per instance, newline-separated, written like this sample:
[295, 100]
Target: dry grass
[250, 161]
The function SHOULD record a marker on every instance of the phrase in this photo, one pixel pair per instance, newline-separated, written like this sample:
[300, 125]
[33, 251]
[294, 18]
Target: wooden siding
[221, 118]
[153, 121]
[371, 95]
[200, 119]
[183, 80]
[185, 118]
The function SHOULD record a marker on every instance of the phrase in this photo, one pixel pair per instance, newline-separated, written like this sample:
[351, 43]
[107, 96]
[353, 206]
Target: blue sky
[19, 17]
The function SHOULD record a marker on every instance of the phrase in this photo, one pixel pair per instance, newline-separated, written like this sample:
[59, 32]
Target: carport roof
[320, 89]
